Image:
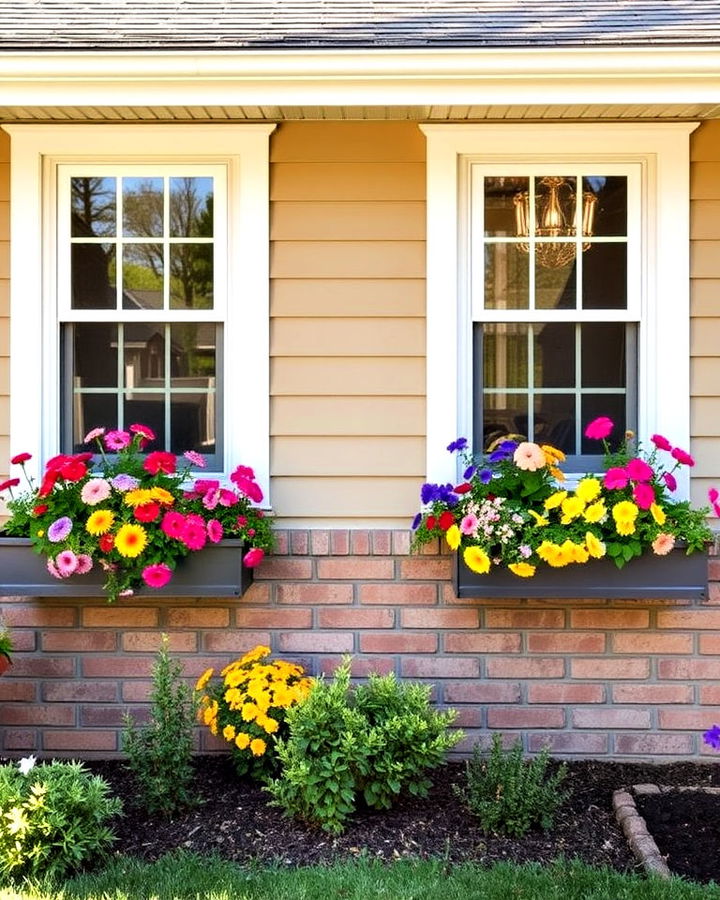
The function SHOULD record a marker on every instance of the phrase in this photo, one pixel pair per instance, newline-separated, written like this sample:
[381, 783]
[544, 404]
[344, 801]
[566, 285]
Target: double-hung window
[140, 287]
[558, 285]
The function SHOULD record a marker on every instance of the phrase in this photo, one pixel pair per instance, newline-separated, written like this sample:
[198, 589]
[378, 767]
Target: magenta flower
[643, 495]
[682, 457]
[615, 478]
[599, 428]
[157, 575]
[84, 564]
[117, 440]
[59, 529]
[194, 458]
[214, 531]
[194, 535]
[639, 470]
[713, 496]
[253, 557]
[670, 480]
[211, 499]
[228, 498]
[66, 563]
[173, 524]
[145, 432]
[243, 472]
[249, 488]
[203, 485]
[662, 443]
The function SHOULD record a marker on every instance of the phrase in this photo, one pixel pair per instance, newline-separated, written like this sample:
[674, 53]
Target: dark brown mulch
[685, 829]
[234, 820]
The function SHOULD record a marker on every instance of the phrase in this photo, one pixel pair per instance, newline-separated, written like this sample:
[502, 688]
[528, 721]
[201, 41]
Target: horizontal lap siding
[4, 306]
[705, 307]
[347, 320]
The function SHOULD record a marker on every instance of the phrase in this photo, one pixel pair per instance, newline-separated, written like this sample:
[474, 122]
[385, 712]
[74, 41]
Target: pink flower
[662, 443]
[643, 495]
[84, 565]
[638, 470]
[203, 485]
[20, 458]
[173, 524]
[52, 569]
[95, 491]
[253, 557]
[160, 461]
[682, 457]
[241, 521]
[529, 456]
[670, 481]
[615, 478]
[214, 531]
[243, 472]
[227, 498]
[599, 428]
[66, 563]
[210, 500]
[469, 524]
[194, 535]
[249, 488]
[194, 458]
[157, 575]
[663, 544]
[144, 431]
[713, 496]
[117, 440]
[94, 433]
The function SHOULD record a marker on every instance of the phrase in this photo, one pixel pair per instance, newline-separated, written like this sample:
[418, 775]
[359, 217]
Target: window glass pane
[555, 285]
[554, 353]
[147, 409]
[506, 277]
[92, 411]
[504, 414]
[192, 355]
[604, 360]
[555, 421]
[502, 218]
[191, 207]
[143, 276]
[191, 276]
[610, 213]
[95, 355]
[93, 276]
[142, 207]
[555, 206]
[505, 355]
[611, 405]
[604, 279]
[93, 207]
[192, 418]
[144, 355]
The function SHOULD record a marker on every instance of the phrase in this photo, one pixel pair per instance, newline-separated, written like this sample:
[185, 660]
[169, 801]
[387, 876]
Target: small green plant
[372, 742]
[6, 644]
[160, 753]
[509, 794]
[53, 818]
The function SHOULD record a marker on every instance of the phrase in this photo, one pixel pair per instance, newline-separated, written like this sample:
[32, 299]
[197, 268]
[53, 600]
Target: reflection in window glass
[191, 207]
[611, 209]
[506, 277]
[500, 203]
[504, 414]
[93, 274]
[95, 348]
[93, 207]
[604, 281]
[191, 276]
[554, 354]
[192, 355]
[149, 409]
[142, 207]
[143, 267]
[505, 355]
[555, 287]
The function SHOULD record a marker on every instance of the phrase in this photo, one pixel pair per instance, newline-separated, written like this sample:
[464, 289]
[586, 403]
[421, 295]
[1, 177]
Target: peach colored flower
[529, 457]
[663, 544]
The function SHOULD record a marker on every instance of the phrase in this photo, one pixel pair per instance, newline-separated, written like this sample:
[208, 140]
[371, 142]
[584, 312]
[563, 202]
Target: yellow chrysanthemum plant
[514, 509]
[247, 705]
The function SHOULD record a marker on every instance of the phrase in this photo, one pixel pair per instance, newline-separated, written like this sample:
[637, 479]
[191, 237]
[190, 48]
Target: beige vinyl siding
[4, 306]
[347, 320]
[705, 307]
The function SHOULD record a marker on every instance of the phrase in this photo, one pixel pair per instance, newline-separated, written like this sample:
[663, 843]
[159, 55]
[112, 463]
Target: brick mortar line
[634, 828]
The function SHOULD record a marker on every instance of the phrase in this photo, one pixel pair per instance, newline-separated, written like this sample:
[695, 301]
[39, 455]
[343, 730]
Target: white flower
[26, 764]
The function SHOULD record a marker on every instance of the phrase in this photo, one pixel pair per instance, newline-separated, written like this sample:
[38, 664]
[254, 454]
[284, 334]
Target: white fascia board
[402, 77]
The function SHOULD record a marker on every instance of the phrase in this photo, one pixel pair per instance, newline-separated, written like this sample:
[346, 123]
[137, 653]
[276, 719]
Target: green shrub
[53, 818]
[508, 794]
[371, 742]
[160, 753]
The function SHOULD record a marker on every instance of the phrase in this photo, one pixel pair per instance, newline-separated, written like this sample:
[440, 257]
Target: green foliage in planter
[53, 818]
[160, 753]
[6, 644]
[372, 742]
[509, 794]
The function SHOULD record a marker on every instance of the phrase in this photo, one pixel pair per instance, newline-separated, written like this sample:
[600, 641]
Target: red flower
[160, 461]
[144, 431]
[106, 543]
[40, 509]
[446, 520]
[10, 483]
[73, 470]
[57, 462]
[462, 488]
[20, 458]
[148, 512]
[431, 523]
[48, 482]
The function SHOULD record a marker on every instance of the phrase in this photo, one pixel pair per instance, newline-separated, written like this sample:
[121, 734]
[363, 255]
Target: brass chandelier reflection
[555, 210]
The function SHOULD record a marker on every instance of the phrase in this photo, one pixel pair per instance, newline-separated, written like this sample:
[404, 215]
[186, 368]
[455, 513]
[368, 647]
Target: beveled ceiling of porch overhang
[371, 113]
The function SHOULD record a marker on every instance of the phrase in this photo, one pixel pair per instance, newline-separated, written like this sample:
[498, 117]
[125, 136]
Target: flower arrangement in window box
[511, 513]
[133, 515]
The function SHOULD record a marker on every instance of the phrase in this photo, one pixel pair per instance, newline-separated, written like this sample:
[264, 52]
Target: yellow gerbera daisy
[595, 512]
[162, 496]
[555, 499]
[453, 537]
[588, 489]
[138, 497]
[625, 514]
[203, 679]
[523, 569]
[571, 508]
[477, 560]
[595, 547]
[131, 540]
[100, 522]
[658, 513]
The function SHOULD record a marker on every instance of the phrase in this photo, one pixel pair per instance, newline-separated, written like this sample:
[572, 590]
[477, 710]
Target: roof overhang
[526, 76]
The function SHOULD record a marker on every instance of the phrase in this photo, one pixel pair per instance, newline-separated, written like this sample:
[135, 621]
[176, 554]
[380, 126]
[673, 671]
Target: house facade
[290, 239]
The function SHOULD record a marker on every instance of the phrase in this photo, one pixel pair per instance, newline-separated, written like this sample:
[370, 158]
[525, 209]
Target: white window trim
[662, 149]
[36, 151]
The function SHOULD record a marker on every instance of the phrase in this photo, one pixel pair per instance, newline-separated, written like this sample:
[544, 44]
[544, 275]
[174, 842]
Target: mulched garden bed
[233, 819]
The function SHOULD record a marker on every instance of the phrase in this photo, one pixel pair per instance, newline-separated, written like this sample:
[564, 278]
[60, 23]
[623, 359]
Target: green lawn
[183, 876]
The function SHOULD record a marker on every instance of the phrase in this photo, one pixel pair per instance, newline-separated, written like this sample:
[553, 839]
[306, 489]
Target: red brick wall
[623, 679]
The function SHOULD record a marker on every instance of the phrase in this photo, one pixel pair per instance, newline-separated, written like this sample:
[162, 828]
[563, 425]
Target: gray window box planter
[676, 575]
[214, 571]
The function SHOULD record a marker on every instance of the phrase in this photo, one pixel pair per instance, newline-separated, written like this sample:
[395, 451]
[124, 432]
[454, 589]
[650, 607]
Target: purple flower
[416, 522]
[468, 473]
[429, 492]
[124, 482]
[446, 494]
[485, 476]
[459, 444]
[59, 529]
[712, 737]
[503, 451]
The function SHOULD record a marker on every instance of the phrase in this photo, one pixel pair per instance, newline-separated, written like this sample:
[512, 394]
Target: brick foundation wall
[621, 679]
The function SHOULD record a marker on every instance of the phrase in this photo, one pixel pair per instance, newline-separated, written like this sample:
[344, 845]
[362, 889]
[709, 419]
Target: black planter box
[676, 575]
[214, 571]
